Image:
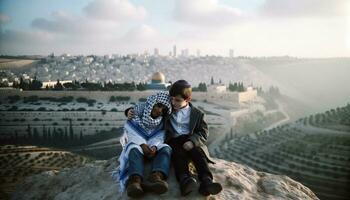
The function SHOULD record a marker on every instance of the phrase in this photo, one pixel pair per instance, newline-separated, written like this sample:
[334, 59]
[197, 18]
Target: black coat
[198, 130]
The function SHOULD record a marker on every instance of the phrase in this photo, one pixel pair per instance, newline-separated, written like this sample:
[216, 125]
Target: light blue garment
[180, 121]
[134, 135]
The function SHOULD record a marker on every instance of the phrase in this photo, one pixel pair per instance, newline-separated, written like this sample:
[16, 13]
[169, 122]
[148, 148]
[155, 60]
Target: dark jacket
[198, 130]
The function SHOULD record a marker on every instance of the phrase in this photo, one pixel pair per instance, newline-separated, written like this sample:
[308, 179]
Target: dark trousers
[181, 158]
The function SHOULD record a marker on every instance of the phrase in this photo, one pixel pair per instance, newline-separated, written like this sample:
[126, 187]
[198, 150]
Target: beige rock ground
[93, 181]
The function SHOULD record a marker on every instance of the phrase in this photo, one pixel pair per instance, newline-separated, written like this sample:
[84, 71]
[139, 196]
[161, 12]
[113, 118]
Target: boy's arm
[136, 110]
[200, 133]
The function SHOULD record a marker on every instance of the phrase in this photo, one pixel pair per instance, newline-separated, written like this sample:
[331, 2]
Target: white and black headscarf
[143, 111]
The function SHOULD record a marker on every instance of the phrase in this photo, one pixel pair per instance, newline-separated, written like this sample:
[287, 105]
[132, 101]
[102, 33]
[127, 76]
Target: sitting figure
[143, 138]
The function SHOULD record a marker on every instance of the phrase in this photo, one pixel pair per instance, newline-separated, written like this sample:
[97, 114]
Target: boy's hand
[131, 113]
[188, 145]
[153, 152]
[146, 150]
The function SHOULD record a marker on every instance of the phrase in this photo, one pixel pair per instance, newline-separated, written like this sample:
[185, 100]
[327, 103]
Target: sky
[300, 28]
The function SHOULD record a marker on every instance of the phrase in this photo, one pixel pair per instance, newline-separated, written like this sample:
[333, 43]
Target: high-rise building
[156, 52]
[231, 53]
[174, 51]
[184, 52]
[198, 53]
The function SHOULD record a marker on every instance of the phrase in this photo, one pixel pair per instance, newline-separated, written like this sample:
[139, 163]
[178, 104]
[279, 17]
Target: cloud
[97, 32]
[4, 18]
[102, 22]
[115, 10]
[305, 8]
[205, 13]
[141, 33]
[76, 27]
[14, 42]
[93, 32]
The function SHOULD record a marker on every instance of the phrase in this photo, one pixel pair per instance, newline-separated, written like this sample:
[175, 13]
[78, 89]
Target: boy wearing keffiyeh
[144, 138]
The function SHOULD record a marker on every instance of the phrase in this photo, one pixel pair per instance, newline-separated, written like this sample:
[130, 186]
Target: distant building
[174, 51]
[249, 95]
[156, 52]
[88, 60]
[217, 88]
[157, 82]
[231, 53]
[26, 77]
[198, 53]
[53, 83]
[184, 52]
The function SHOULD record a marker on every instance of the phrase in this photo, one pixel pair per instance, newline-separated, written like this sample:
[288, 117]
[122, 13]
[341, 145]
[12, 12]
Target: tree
[202, 87]
[212, 81]
[58, 85]
[44, 133]
[29, 132]
[81, 135]
[112, 99]
[71, 86]
[141, 87]
[65, 134]
[35, 134]
[311, 120]
[233, 87]
[35, 84]
[23, 85]
[241, 87]
[274, 91]
[71, 134]
[49, 134]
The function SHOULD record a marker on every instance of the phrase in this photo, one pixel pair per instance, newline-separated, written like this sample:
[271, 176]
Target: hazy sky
[303, 28]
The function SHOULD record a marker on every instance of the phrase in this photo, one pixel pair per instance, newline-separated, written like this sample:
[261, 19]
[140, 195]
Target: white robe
[132, 138]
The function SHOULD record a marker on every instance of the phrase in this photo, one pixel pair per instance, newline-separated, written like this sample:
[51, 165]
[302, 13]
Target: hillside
[313, 150]
[19, 162]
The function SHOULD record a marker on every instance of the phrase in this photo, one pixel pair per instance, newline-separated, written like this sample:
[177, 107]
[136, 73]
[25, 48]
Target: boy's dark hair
[182, 88]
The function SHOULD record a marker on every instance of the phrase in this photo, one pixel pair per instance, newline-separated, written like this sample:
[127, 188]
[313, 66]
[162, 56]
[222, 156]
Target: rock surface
[93, 181]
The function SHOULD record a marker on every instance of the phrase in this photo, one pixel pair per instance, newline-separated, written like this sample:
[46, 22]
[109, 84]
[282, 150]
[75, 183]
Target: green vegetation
[58, 136]
[331, 119]
[119, 98]
[236, 87]
[202, 87]
[318, 159]
[18, 162]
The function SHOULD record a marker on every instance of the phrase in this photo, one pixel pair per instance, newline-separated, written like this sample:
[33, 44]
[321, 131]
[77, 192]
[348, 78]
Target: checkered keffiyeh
[143, 111]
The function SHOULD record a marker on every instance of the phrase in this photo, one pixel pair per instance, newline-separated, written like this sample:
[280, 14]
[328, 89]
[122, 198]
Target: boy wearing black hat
[186, 133]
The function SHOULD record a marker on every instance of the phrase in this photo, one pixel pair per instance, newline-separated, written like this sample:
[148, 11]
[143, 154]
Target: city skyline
[316, 28]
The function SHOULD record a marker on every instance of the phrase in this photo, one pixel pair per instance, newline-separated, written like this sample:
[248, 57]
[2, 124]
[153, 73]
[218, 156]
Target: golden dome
[158, 77]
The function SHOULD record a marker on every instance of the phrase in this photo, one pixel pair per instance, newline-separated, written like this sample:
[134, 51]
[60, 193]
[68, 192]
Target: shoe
[187, 185]
[156, 183]
[133, 186]
[208, 187]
